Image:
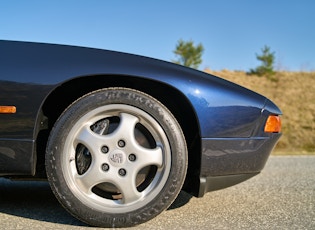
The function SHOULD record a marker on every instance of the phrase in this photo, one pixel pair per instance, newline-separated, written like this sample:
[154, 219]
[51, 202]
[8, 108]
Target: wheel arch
[66, 93]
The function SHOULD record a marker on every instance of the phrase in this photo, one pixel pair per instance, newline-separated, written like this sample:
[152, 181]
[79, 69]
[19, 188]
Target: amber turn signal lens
[273, 124]
[7, 109]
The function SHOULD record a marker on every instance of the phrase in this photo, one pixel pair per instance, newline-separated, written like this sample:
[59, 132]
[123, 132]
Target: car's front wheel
[116, 157]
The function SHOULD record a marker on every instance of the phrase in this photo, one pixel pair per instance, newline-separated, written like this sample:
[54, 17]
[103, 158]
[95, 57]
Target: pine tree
[267, 58]
[188, 54]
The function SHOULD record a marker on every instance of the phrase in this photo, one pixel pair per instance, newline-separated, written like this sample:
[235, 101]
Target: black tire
[116, 158]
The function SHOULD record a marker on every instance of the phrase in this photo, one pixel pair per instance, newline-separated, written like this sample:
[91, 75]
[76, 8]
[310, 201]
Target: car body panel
[230, 117]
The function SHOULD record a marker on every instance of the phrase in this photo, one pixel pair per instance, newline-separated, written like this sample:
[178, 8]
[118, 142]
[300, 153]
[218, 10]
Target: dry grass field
[294, 93]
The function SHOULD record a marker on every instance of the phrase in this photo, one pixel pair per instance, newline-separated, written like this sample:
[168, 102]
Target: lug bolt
[122, 172]
[132, 157]
[104, 149]
[121, 143]
[105, 167]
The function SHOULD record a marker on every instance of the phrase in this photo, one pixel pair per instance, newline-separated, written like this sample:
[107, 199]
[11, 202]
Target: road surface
[281, 197]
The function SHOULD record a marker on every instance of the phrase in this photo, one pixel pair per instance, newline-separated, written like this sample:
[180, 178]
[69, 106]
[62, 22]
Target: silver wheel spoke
[91, 178]
[127, 187]
[90, 139]
[126, 127]
[146, 157]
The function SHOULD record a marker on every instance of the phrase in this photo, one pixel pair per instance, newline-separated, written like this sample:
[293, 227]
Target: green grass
[294, 93]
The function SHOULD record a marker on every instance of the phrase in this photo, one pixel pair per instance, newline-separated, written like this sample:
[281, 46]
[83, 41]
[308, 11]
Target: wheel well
[65, 94]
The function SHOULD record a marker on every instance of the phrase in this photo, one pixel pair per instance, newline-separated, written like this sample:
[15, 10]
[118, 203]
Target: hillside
[294, 93]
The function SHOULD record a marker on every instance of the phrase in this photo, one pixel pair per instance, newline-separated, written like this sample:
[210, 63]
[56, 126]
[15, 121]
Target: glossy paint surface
[38, 68]
[29, 72]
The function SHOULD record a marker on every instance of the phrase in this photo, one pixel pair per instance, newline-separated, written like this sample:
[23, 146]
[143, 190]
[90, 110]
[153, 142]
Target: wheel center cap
[117, 157]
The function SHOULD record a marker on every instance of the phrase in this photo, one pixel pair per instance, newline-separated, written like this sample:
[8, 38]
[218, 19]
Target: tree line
[190, 55]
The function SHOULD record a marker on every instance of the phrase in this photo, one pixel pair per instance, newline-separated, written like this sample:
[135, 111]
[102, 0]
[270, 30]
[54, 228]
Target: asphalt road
[281, 197]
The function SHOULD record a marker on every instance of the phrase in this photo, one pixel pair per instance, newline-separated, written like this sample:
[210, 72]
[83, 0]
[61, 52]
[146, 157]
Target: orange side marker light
[273, 124]
[7, 109]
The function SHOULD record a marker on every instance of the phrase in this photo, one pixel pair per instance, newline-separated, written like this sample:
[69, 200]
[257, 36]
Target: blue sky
[232, 32]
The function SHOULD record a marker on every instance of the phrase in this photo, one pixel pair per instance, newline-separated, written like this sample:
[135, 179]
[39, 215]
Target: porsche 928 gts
[118, 136]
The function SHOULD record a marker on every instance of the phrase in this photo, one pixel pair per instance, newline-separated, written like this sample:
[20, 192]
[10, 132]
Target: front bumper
[228, 161]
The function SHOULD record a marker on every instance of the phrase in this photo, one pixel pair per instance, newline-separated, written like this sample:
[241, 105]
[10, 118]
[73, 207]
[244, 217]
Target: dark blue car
[118, 136]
